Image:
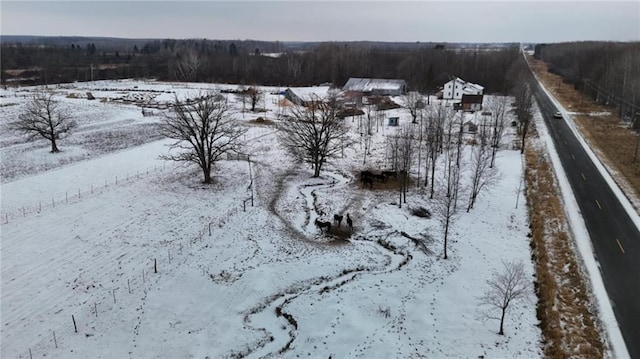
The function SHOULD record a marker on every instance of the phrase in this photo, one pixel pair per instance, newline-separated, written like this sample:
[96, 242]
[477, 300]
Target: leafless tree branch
[44, 117]
[203, 131]
[315, 134]
[505, 288]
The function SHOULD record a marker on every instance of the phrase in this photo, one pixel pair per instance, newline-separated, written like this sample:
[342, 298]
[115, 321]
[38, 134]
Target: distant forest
[607, 71]
[425, 66]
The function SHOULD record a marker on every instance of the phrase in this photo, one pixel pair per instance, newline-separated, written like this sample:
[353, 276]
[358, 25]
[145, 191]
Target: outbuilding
[380, 87]
[472, 102]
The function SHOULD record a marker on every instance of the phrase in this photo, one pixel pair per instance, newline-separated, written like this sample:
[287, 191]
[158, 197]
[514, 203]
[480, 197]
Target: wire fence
[123, 294]
[73, 195]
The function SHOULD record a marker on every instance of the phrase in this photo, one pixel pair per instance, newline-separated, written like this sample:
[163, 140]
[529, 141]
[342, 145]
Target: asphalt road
[615, 238]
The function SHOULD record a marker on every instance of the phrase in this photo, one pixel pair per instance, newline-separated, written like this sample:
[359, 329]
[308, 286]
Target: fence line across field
[75, 194]
[85, 318]
[71, 196]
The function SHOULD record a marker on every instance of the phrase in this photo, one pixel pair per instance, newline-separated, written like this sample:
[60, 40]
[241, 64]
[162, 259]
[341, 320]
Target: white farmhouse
[454, 89]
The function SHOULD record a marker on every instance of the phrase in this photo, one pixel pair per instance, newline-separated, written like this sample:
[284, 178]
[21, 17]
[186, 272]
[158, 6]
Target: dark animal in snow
[323, 225]
[337, 219]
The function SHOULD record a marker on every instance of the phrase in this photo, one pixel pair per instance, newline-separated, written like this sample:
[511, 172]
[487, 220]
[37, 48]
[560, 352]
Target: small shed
[472, 102]
[305, 96]
[470, 127]
[393, 121]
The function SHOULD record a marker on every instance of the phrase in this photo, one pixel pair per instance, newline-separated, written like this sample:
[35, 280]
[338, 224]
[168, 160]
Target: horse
[322, 224]
[393, 174]
[337, 219]
[349, 222]
[364, 175]
[380, 177]
[368, 180]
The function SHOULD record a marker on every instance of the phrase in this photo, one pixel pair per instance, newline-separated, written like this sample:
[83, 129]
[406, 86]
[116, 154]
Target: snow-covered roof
[468, 87]
[473, 87]
[367, 85]
[307, 93]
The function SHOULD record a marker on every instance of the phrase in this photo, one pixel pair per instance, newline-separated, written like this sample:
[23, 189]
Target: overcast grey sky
[442, 21]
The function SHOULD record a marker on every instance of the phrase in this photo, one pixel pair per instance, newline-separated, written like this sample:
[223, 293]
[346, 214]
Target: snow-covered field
[84, 231]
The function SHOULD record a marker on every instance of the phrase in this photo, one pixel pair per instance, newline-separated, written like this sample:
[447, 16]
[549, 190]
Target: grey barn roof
[368, 85]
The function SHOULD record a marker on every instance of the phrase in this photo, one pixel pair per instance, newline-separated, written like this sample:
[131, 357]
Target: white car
[558, 114]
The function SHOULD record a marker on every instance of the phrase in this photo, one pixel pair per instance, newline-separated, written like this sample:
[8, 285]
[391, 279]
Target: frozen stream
[282, 332]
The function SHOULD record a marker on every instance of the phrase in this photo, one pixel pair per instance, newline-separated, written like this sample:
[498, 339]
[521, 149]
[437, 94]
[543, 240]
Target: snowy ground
[78, 242]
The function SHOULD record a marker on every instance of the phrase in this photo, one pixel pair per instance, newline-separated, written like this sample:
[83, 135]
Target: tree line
[424, 67]
[608, 72]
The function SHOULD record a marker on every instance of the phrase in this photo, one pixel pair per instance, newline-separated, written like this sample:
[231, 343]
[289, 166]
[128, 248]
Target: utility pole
[634, 125]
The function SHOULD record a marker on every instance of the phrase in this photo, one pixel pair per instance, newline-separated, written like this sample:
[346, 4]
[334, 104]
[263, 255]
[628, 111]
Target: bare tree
[203, 130]
[254, 96]
[452, 148]
[504, 288]
[482, 174]
[189, 62]
[401, 148]
[498, 108]
[293, 65]
[523, 93]
[434, 130]
[407, 149]
[446, 206]
[315, 133]
[45, 117]
[413, 102]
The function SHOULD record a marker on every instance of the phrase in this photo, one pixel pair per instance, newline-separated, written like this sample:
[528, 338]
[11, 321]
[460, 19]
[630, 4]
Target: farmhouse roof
[473, 87]
[468, 87]
[367, 85]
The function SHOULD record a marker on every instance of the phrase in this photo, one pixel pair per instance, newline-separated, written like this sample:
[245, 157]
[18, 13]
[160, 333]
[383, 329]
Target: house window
[457, 94]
